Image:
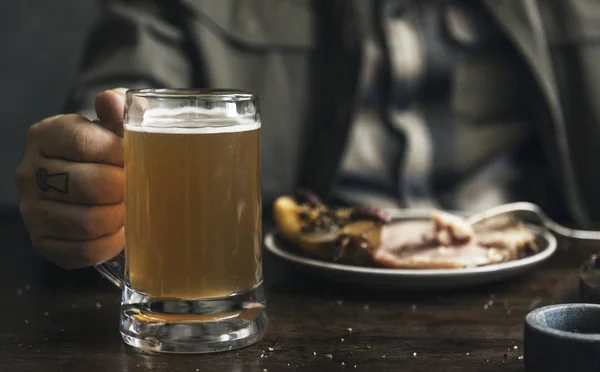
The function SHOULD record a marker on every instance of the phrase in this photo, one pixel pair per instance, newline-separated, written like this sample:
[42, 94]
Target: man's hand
[71, 185]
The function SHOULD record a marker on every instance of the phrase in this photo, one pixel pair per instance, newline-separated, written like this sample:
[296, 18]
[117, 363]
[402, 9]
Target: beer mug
[191, 270]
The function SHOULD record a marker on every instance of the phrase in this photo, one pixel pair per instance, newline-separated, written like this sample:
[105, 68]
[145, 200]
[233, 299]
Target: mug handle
[113, 269]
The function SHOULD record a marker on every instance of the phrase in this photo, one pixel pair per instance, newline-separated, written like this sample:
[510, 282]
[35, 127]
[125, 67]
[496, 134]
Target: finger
[110, 105]
[78, 254]
[73, 137]
[76, 183]
[56, 220]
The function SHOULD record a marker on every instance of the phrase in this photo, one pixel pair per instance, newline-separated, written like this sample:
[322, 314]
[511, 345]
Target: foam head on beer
[195, 120]
[193, 202]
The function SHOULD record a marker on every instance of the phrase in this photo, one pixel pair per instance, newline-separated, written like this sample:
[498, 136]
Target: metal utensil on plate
[531, 213]
[589, 274]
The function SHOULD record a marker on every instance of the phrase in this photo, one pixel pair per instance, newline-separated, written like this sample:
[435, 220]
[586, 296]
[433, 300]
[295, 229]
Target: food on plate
[366, 236]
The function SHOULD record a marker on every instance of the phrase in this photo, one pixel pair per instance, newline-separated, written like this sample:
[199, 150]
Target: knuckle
[38, 129]
[75, 120]
[74, 117]
[27, 210]
[35, 131]
[20, 176]
[82, 137]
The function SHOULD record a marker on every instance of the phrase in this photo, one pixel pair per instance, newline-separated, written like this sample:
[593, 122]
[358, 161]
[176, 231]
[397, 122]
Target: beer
[193, 210]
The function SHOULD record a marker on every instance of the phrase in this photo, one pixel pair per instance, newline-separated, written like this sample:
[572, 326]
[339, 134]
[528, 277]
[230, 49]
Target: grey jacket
[303, 58]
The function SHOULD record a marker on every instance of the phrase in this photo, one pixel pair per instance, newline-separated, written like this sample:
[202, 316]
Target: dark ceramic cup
[563, 338]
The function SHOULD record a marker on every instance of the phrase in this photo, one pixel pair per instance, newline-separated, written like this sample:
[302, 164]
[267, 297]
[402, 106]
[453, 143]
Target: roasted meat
[366, 237]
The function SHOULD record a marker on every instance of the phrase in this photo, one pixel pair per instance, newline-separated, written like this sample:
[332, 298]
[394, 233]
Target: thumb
[109, 108]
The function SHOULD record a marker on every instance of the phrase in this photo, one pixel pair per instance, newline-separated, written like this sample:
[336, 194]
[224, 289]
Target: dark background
[41, 43]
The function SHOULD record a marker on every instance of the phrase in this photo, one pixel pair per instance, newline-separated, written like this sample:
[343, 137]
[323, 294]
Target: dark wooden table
[55, 320]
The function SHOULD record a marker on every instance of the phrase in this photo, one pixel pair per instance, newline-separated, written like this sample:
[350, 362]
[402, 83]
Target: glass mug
[191, 271]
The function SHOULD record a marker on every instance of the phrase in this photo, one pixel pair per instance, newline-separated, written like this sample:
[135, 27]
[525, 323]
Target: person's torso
[455, 118]
[452, 127]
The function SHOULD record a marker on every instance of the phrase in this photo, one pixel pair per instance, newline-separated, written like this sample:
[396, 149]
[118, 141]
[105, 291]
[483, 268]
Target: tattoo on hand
[58, 181]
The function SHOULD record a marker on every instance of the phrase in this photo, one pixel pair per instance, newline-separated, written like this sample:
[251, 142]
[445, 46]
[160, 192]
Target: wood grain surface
[56, 320]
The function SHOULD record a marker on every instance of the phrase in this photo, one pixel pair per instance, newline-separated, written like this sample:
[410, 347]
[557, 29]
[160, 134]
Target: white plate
[429, 279]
